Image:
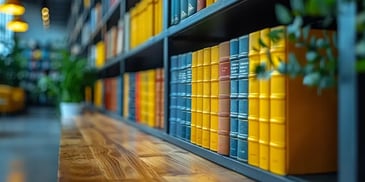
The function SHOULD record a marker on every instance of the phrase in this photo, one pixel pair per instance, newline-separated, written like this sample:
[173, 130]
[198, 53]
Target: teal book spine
[183, 9]
[234, 97]
[242, 145]
[188, 95]
[192, 7]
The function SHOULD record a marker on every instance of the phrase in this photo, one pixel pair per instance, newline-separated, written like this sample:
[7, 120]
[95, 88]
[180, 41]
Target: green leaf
[276, 35]
[326, 82]
[297, 6]
[360, 48]
[282, 68]
[283, 14]
[308, 68]
[360, 66]
[294, 67]
[306, 32]
[311, 56]
[321, 43]
[311, 79]
[262, 43]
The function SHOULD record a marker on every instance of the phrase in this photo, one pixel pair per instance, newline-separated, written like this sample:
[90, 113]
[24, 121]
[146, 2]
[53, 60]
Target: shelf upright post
[347, 93]
[166, 64]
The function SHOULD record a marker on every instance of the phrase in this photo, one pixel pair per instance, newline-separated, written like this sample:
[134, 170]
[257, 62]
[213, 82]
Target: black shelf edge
[111, 62]
[201, 15]
[149, 43]
[241, 168]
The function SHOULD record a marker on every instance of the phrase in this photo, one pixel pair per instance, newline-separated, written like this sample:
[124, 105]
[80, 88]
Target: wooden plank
[97, 148]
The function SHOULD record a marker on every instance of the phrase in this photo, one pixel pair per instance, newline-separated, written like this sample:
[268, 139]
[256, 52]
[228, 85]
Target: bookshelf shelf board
[112, 69]
[222, 21]
[112, 62]
[239, 167]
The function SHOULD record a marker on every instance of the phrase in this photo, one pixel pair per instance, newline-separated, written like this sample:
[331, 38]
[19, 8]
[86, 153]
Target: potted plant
[75, 76]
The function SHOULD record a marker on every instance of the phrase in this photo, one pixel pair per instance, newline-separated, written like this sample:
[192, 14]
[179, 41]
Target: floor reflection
[29, 146]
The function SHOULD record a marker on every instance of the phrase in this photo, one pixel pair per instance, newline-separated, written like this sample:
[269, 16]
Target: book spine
[173, 95]
[192, 7]
[162, 100]
[199, 120]
[253, 99]
[126, 95]
[151, 98]
[194, 96]
[214, 98]
[242, 145]
[234, 68]
[184, 9]
[182, 97]
[206, 98]
[264, 103]
[177, 11]
[278, 103]
[157, 92]
[200, 5]
[224, 101]
[209, 2]
[188, 95]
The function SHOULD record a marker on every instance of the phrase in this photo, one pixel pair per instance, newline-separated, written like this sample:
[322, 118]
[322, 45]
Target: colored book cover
[253, 100]
[264, 104]
[234, 65]
[177, 11]
[188, 95]
[173, 95]
[214, 99]
[303, 134]
[209, 2]
[200, 74]
[126, 93]
[206, 98]
[242, 145]
[192, 7]
[194, 94]
[200, 5]
[184, 9]
[224, 99]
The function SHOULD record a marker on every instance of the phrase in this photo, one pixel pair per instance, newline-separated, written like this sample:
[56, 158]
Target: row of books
[181, 9]
[145, 21]
[279, 125]
[144, 97]
[107, 94]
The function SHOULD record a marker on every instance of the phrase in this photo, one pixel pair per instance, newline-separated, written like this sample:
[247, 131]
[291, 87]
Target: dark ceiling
[60, 9]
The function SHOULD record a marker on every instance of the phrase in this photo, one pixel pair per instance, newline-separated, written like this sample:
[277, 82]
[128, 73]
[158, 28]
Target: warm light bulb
[12, 7]
[45, 17]
[45, 11]
[17, 25]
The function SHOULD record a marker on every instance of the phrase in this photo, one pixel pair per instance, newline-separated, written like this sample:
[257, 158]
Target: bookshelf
[221, 21]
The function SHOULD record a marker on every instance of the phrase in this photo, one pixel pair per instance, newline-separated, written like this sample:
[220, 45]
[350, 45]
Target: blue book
[172, 12]
[188, 59]
[184, 9]
[176, 11]
[234, 70]
[242, 146]
[192, 5]
[173, 119]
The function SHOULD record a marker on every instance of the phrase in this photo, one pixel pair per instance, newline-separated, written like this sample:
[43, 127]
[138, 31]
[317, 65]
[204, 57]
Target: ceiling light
[17, 25]
[45, 17]
[13, 7]
[45, 11]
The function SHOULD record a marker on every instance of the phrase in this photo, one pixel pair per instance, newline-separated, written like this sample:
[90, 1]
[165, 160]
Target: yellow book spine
[214, 96]
[209, 2]
[194, 99]
[199, 121]
[126, 95]
[253, 100]
[206, 97]
[264, 104]
[160, 17]
[151, 99]
[149, 19]
[98, 93]
[277, 109]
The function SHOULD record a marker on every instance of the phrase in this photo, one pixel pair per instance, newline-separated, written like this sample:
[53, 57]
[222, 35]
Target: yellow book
[132, 27]
[206, 98]
[149, 19]
[253, 100]
[160, 17]
[209, 2]
[100, 54]
[214, 96]
[303, 127]
[98, 93]
[264, 104]
[199, 120]
[194, 94]
[126, 95]
[151, 75]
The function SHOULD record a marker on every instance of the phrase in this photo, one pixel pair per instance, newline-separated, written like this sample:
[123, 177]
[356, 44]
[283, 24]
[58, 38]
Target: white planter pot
[69, 110]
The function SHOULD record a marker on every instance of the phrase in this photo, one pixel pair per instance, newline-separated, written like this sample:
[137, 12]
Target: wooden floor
[97, 148]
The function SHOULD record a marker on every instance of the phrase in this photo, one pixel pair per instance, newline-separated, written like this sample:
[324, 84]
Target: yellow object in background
[98, 93]
[253, 100]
